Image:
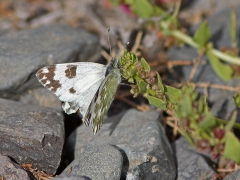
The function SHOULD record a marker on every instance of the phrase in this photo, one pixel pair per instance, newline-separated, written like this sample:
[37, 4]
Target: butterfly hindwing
[73, 83]
[103, 99]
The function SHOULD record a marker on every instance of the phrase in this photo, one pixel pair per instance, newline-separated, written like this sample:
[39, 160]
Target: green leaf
[233, 28]
[237, 99]
[114, 2]
[173, 94]
[145, 64]
[160, 85]
[232, 148]
[206, 109]
[156, 102]
[224, 71]
[129, 2]
[184, 108]
[187, 89]
[143, 8]
[159, 11]
[141, 86]
[202, 105]
[208, 122]
[194, 95]
[151, 92]
[188, 138]
[132, 72]
[231, 122]
[202, 35]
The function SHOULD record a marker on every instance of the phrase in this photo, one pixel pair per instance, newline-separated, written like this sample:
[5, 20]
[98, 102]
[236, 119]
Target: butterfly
[85, 86]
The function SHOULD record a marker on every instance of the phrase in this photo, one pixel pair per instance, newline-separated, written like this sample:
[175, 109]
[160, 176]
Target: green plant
[197, 123]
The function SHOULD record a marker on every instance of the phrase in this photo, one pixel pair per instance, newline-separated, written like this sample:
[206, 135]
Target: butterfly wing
[103, 99]
[73, 83]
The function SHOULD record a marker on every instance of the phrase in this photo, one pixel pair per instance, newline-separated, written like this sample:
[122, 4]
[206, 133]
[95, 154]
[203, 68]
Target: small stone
[97, 162]
[12, 171]
[191, 165]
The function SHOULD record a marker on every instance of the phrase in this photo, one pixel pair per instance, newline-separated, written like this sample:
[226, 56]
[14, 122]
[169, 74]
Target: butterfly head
[112, 65]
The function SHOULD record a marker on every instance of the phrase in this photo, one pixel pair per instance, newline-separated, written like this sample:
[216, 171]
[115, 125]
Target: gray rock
[24, 52]
[71, 177]
[191, 165]
[219, 24]
[214, 6]
[12, 171]
[97, 162]
[31, 134]
[234, 176]
[43, 97]
[140, 138]
[222, 103]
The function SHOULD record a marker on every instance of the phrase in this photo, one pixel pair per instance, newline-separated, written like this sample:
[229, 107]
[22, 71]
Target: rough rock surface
[70, 177]
[190, 164]
[31, 134]
[233, 176]
[97, 162]
[24, 52]
[43, 97]
[12, 171]
[140, 138]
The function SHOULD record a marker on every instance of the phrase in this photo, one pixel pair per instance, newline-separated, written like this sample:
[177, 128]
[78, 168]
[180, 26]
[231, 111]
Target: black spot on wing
[72, 90]
[71, 71]
[45, 77]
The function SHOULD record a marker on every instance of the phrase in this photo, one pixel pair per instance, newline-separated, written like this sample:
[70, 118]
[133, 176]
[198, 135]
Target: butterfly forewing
[102, 101]
[73, 83]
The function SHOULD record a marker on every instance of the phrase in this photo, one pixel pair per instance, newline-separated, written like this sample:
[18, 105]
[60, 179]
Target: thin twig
[143, 108]
[194, 69]
[205, 91]
[225, 170]
[121, 47]
[177, 8]
[174, 126]
[137, 42]
[217, 86]
[173, 63]
[106, 55]
[96, 19]
[172, 117]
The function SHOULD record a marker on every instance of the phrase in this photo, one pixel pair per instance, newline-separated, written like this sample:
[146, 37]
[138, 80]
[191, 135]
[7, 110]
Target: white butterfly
[84, 86]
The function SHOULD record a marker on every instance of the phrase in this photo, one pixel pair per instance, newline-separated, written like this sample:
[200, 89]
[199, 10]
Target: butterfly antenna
[122, 48]
[125, 46]
[110, 48]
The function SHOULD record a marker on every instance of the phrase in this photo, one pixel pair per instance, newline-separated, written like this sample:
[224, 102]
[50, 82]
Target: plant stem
[221, 121]
[189, 40]
[185, 38]
[226, 57]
